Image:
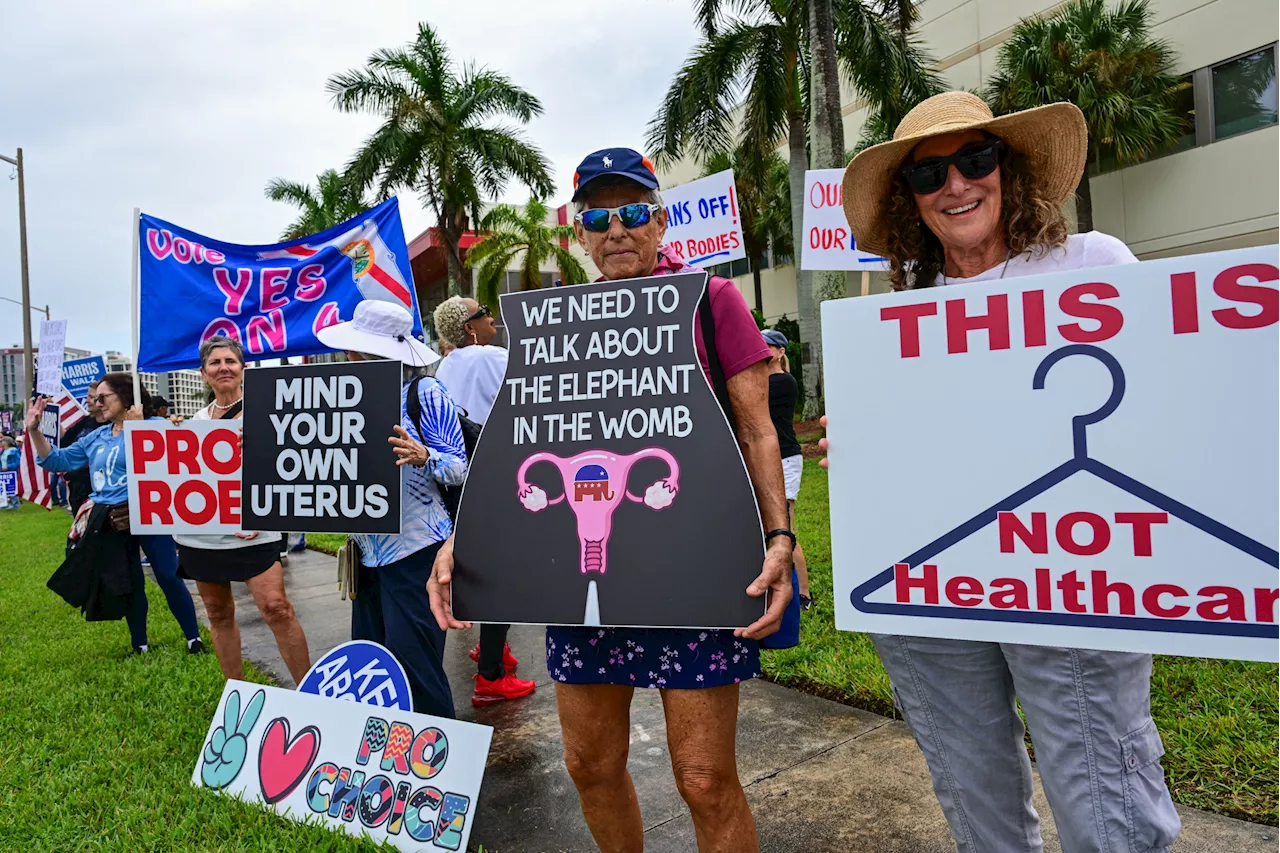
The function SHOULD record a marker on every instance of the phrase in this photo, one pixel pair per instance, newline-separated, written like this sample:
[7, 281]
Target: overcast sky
[187, 110]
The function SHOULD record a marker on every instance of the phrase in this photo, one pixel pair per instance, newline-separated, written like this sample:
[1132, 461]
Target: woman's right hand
[822, 442]
[440, 588]
[34, 411]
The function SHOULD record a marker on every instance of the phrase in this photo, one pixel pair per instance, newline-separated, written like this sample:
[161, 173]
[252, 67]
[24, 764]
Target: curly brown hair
[1032, 223]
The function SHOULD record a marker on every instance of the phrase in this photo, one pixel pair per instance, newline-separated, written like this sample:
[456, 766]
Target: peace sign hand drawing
[229, 745]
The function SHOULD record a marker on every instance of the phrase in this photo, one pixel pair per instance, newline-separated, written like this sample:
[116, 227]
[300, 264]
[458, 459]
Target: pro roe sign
[828, 243]
[183, 479]
[1085, 458]
[704, 226]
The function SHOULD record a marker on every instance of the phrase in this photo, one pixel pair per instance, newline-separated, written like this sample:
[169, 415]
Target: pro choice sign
[828, 243]
[183, 479]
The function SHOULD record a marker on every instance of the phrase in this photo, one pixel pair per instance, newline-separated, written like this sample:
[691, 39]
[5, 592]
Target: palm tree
[754, 60]
[511, 232]
[438, 136]
[1106, 63]
[764, 202]
[334, 200]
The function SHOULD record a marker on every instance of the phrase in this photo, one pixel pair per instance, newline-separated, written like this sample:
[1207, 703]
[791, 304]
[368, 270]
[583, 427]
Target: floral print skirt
[680, 658]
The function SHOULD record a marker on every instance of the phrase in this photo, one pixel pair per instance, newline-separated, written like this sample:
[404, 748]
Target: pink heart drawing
[283, 763]
[592, 642]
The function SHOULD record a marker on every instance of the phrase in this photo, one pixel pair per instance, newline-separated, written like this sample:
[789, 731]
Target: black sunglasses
[483, 312]
[973, 161]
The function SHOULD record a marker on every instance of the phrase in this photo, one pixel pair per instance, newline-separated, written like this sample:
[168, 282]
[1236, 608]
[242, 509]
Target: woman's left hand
[409, 451]
[133, 413]
[247, 536]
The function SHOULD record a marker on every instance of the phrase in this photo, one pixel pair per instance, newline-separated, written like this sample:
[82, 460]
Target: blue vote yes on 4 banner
[272, 299]
[360, 671]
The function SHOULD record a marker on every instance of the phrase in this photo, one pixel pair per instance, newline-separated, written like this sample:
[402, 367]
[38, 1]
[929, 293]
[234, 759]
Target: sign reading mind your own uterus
[609, 470]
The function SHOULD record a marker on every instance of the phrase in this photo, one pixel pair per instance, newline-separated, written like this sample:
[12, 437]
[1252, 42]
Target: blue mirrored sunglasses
[630, 215]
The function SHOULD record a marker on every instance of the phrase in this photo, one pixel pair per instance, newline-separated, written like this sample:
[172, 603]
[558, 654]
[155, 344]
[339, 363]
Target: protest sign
[80, 373]
[609, 469]
[272, 299]
[6, 421]
[183, 479]
[828, 243]
[703, 224]
[53, 343]
[395, 776]
[1084, 458]
[9, 483]
[316, 453]
[49, 423]
[360, 671]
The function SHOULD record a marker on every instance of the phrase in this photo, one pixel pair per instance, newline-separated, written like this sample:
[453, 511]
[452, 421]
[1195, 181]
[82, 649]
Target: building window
[1244, 93]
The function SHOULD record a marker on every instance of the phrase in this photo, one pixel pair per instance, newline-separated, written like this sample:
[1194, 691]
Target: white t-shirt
[220, 541]
[1083, 251]
[473, 377]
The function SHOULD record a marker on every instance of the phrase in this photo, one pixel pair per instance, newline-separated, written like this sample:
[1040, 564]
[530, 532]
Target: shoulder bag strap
[718, 384]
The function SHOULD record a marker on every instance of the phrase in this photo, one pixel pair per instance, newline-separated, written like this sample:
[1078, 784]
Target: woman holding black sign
[103, 572]
[214, 560]
[621, 221]
[391, 606]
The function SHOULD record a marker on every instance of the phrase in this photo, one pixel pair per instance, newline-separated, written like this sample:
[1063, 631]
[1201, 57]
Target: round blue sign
[360, 671]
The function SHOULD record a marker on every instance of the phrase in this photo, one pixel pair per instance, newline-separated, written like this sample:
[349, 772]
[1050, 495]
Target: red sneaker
[508, 687]
[508, 660]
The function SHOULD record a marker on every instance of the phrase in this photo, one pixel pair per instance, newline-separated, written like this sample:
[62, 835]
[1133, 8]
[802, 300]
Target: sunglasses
[630, 215]
[972, 161]
[483, 312]
[101, 398]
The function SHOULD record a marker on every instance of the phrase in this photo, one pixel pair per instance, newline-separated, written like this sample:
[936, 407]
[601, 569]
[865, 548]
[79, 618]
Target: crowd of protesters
[956, 197]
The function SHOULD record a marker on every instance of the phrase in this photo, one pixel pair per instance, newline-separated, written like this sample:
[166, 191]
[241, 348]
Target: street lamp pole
[28, 359]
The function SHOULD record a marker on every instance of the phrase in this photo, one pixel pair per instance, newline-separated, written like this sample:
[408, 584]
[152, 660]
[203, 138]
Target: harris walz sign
[609, 470]
[316, 458]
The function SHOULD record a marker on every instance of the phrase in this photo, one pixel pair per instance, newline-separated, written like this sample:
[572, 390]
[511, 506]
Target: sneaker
[141, 650]
[805, 602]
[508, 687]
[509, 661]
[196, 647]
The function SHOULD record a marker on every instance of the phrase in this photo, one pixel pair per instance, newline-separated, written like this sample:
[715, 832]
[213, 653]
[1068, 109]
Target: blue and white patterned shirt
[423, 518]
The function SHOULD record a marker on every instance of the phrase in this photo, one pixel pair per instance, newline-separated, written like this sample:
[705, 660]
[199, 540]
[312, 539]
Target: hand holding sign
[229, 745]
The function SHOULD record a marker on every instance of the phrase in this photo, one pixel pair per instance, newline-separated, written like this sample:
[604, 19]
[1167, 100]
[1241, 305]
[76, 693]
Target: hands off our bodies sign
[395, 776]
[703, 224]
[607, 488]
[1084, 458]
[316, 452]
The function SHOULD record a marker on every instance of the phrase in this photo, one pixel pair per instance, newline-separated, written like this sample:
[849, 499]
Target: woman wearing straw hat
[959, 196]
[391, 606]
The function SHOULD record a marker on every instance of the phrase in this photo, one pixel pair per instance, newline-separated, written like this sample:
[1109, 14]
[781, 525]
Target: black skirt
[223, 565]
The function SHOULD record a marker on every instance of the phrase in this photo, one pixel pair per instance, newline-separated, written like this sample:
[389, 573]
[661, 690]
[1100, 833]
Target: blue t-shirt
[104, 454]
[423, 517]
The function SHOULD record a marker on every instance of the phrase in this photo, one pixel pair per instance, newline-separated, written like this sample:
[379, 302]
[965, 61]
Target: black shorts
[223, 565]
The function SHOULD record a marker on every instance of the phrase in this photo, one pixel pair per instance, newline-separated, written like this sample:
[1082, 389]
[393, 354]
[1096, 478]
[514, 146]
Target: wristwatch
[781, 531]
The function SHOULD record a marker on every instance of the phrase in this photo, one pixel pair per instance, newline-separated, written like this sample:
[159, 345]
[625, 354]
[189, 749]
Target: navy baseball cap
[614, 161]
[774, 338]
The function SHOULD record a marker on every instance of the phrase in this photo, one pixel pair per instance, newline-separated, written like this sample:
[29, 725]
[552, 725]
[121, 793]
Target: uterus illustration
[595, 483]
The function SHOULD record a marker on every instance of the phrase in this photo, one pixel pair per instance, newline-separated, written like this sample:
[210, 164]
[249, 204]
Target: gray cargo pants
[1090, 719]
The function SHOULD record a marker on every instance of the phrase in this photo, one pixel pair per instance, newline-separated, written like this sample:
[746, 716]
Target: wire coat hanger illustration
[1079, 462]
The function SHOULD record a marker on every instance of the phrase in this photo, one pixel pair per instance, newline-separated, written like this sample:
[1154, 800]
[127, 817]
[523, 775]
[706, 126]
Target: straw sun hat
[1054, 139]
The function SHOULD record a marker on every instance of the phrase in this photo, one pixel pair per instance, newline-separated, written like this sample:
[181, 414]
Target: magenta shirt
[738, 340]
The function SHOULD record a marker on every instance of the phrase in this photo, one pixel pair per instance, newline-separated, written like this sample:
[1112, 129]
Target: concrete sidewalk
[819, 776]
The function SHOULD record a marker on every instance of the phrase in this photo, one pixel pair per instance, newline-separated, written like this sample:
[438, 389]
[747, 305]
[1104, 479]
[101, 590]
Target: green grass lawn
[326, 542]
[97, 747]
[1218, 718]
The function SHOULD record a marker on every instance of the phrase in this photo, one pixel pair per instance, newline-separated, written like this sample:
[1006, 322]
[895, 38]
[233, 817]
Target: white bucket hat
[380, 328]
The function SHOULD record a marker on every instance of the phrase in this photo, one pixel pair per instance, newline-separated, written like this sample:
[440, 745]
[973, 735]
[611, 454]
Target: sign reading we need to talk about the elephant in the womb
[610, 470]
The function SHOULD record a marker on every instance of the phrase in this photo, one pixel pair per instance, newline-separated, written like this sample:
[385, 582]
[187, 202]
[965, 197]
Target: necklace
[1008, 257]
[215, 405]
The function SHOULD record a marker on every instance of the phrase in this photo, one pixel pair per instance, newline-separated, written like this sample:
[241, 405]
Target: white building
[1216, 190]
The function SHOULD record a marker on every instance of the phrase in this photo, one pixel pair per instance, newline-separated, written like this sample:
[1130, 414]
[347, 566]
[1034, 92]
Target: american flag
[35, 482]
